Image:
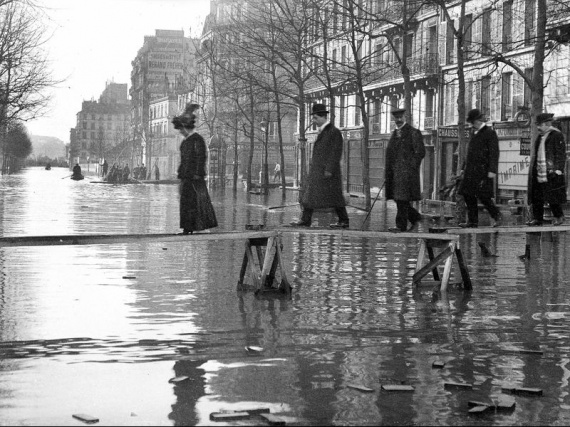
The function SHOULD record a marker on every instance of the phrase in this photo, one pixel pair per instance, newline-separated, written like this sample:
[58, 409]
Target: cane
[376, 198]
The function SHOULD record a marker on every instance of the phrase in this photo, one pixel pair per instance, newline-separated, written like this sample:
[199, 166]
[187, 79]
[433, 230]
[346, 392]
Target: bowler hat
[398, 111]
[319, 108]
[544, 117]
[474, 114]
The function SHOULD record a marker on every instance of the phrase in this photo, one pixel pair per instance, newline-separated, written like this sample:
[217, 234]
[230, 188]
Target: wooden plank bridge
[263, 248]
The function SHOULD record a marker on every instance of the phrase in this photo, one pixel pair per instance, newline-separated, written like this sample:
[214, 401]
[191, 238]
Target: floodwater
[102, 329]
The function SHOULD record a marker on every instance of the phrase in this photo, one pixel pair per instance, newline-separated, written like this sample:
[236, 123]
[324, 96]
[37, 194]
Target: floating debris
[360, 388]
[522, 390]
[476, 410]
[229, 416]
[505, 404]
[273, 420]
[458, 385]
[438, 364]
[129, 277]
[397, 387]
[88, 419]
[179, 379]
[538, 352]
[473, 403]
[253, 348]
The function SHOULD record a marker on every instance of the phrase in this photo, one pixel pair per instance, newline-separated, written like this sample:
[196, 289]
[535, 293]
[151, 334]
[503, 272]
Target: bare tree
[24, 68]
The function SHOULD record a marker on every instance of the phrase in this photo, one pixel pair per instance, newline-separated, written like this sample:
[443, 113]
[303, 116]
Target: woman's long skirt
[196, 210]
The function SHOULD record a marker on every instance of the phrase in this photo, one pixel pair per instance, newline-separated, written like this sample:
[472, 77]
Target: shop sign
[524, 147]
[513, 170]
[450, 132]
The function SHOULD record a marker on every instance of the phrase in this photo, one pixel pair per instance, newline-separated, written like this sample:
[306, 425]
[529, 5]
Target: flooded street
[102, 329]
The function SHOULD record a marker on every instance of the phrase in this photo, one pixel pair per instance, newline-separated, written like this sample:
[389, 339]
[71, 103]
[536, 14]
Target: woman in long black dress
[196, 210]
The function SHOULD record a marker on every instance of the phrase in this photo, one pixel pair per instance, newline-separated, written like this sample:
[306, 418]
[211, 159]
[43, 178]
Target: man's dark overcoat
[404, 156]
[482, 158]
[324, 192]
[555, 150]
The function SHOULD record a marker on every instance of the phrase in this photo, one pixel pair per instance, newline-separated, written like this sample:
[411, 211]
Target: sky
[92, 42]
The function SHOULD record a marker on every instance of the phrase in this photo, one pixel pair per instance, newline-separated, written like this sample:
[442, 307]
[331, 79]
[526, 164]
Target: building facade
[164, 65]
[162, 142]
[101, 126]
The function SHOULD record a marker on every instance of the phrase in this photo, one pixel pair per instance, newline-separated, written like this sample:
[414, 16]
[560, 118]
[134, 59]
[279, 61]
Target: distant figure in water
[48, 166]
[77, 175]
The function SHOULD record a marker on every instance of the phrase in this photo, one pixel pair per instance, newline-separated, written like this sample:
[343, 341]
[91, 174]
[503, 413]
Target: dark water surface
[101, 329]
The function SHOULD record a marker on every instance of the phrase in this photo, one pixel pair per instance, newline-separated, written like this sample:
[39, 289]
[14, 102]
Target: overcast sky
[94, 41]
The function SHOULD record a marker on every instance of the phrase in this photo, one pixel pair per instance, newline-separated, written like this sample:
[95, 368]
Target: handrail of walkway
[99, 239]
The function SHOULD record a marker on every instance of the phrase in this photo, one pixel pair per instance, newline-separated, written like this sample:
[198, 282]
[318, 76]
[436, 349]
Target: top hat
[398, 111]
[474, 114]
[544, 117]
[319, 108]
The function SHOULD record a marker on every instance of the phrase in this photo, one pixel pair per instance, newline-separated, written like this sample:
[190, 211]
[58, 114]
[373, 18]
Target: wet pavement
[103, 329]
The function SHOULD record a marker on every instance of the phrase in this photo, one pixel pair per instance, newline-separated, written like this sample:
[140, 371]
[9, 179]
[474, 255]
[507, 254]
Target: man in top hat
[479, 170]
[324, 182]
[404, 156]
[546, 178]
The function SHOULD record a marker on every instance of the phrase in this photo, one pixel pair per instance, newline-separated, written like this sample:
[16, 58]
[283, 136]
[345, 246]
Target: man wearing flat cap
[546, 180]
[478, 171]
[404, 155]
[324, 183]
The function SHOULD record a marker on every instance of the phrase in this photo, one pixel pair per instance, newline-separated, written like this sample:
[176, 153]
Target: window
[469, 95]
[334, 59]
[506, 97]
[341, 111]
[409, 44]
[377, 110]
[526, 90]
[485, 95]
[344, 14]
[357, 114]
[449, 41]
[486, 33]
[429, 103]
[529, 20]
[343, 55]
[507, 26]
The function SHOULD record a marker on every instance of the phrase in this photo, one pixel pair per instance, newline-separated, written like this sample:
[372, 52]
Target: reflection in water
[102, 329]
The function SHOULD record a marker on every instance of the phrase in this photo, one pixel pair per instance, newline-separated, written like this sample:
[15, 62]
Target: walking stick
[376, 198]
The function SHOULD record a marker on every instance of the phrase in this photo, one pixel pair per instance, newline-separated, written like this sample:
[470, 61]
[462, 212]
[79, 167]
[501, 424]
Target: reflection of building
[101, 125]
[162, 147]
[162, 67]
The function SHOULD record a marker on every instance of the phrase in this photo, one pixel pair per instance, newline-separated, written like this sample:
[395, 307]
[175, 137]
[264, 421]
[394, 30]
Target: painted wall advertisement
[514, 158]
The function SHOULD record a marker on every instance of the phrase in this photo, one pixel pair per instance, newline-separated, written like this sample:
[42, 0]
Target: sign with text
[525, 146]
[513, 168]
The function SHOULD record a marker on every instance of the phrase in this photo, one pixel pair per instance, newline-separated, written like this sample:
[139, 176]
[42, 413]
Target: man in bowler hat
[324, 182]
[480, 167]
[404, 156]
[546, 180]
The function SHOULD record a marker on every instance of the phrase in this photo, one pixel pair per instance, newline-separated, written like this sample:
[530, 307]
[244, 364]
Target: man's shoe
[558, 221]
[415, 226]
[497, 222]
[300, 223]
[468, 225]
[534, 223]
[340, 224]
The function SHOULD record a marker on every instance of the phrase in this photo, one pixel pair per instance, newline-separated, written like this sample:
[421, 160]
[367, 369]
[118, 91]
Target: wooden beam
[513, 229]
[104, 239]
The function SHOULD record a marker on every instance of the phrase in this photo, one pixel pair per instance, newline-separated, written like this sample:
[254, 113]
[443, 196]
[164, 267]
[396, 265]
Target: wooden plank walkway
[503, 229]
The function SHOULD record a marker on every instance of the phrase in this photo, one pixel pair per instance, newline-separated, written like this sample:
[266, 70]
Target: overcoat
[324, 192]
[555, 150]
[196, 210]
[404, 156]
[482, 158]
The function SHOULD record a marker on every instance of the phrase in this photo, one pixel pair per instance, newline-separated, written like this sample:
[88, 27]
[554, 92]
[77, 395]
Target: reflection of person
[276, 172]
[546, 181]
[324, 183]
[480, 167]
[196, 210]
[105, 167]
[156, 170]
[404, 155]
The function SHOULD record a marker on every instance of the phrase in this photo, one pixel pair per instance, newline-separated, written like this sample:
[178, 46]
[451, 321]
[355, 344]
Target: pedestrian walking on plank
[404, 156]
[324, 183]
[546, 180]
[479, 170]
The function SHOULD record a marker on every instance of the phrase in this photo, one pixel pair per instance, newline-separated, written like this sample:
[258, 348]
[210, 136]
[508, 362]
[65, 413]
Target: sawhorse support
[451, 247]
[263, 267]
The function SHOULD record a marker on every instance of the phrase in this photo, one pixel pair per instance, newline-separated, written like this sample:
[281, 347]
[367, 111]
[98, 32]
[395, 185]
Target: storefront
[448, 144]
